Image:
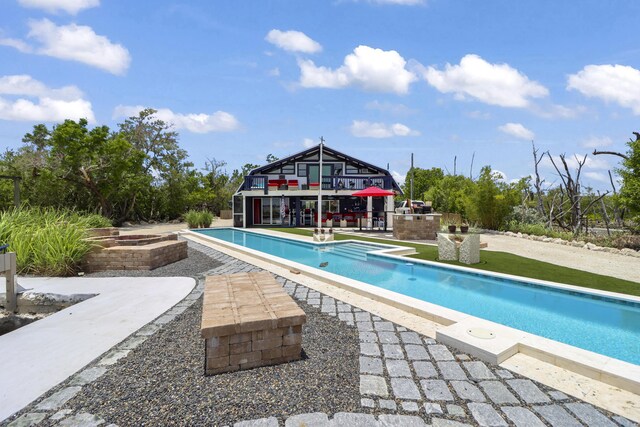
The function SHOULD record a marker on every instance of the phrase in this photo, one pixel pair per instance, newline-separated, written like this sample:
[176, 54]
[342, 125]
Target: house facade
[285, 193]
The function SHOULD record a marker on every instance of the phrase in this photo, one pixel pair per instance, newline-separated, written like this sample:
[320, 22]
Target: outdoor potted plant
[464, 227]
[451, 225]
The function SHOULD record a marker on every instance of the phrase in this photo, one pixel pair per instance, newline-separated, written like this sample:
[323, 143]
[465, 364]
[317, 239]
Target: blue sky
[378, 79]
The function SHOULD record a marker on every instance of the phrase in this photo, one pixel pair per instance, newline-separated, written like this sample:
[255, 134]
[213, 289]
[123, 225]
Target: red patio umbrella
[372, 192]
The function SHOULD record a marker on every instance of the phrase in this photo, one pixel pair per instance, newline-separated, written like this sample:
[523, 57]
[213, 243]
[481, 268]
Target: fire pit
[133, 252]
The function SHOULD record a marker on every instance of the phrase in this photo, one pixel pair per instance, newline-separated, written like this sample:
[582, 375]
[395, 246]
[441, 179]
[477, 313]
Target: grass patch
[48, 242]
[502, 262]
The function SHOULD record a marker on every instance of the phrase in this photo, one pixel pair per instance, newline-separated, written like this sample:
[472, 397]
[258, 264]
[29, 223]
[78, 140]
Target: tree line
[568, 206]
[139, 172]
[135, 172]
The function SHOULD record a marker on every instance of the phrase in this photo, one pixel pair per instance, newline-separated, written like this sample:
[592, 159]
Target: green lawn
[502, 262]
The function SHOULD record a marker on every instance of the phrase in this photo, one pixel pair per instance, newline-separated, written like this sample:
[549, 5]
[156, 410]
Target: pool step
[349, 253]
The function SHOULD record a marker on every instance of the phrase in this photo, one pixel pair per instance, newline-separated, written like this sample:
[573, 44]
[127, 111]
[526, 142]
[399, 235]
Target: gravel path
[359, 370]
[614, 265]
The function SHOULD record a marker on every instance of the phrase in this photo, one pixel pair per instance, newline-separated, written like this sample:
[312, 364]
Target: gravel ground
[162, 381]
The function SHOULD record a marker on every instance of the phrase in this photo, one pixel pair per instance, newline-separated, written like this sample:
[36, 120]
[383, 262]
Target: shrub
[47, 241]
[537, 230]
[525, 215]
[205, 219]
[198, 219]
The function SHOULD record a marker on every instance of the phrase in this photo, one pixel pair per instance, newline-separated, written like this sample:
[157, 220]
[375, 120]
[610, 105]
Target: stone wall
[416, 227]
[253, 349]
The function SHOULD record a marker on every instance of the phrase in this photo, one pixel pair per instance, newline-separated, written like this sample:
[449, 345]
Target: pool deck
[601, 380]
[74, 337]
[41, 355]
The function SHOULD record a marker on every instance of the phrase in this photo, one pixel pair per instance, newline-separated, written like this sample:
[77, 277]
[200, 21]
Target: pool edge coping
[608, 370]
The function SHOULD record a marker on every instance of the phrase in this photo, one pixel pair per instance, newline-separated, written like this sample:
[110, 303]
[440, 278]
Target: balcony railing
[356, 183]
[336, 183]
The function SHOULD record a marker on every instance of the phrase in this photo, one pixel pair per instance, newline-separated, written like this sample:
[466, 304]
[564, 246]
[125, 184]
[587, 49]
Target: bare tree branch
[613, 153]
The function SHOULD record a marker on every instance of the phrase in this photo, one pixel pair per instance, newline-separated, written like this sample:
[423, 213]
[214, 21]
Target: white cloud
[219, 121]
[592, 163]
[365, 129]
[597, 142]
[555, 111]
[274, 72]
[16, 44]
[308, 143]
[73, 42]
[371, 69]
[517, 130]
[483, 115]
[398, 177]
[611, 83]
[293, 41]
[388, 107]
[494, 84]
[50, 105]
[53, 6]
[502, 175]
[23, 84]
[597, 176]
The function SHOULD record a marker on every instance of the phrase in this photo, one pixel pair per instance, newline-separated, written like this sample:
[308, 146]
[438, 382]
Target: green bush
[536, 230]
[198, 219]
[48, 241]
[205, 219]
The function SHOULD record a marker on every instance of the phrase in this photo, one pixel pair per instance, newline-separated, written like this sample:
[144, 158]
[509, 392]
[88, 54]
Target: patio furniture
[248, 321]
[463, 248]
[293, 184]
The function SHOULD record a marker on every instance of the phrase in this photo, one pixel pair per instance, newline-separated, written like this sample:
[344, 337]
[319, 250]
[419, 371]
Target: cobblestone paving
[405, 379]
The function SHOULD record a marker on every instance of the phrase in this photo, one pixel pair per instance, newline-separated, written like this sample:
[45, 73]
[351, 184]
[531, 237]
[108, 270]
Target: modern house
[285, 193]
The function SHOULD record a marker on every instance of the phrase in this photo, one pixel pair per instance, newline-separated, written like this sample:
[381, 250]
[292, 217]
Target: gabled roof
[327, 151]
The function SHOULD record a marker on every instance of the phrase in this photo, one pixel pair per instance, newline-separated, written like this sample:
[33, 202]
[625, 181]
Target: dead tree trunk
[538, 182]
[571, 188]
[617, 215]
[605, 216]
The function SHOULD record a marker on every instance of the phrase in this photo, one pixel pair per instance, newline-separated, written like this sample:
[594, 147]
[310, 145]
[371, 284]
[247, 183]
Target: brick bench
[248, 320]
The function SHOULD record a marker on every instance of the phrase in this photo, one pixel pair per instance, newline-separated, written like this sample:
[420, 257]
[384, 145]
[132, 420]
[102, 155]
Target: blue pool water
[602, 325]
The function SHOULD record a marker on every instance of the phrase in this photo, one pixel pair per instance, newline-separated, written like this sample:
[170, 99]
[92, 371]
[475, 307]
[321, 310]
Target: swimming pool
[600, 324]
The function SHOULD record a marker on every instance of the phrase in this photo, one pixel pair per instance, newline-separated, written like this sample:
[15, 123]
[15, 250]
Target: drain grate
[481, 333]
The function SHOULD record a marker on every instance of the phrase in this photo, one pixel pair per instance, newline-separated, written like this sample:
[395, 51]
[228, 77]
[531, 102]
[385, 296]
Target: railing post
[10, 275]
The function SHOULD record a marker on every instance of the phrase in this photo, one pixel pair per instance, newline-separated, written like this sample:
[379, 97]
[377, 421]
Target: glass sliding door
[274, 211]
[266, 211]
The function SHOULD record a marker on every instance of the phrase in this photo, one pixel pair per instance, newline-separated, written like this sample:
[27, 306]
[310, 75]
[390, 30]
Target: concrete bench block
[249, 321]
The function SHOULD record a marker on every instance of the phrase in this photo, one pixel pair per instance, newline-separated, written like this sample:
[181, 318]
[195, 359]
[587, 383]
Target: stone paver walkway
[405, 379]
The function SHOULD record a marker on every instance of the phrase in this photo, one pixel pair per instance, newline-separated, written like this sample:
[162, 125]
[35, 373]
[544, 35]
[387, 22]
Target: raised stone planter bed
[249, 321]
[134, 252]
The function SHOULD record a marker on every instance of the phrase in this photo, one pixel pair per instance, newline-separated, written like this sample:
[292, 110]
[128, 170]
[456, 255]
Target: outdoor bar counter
[416, 226]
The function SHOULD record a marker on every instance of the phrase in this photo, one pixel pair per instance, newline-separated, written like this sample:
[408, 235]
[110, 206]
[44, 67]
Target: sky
[377, 79]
